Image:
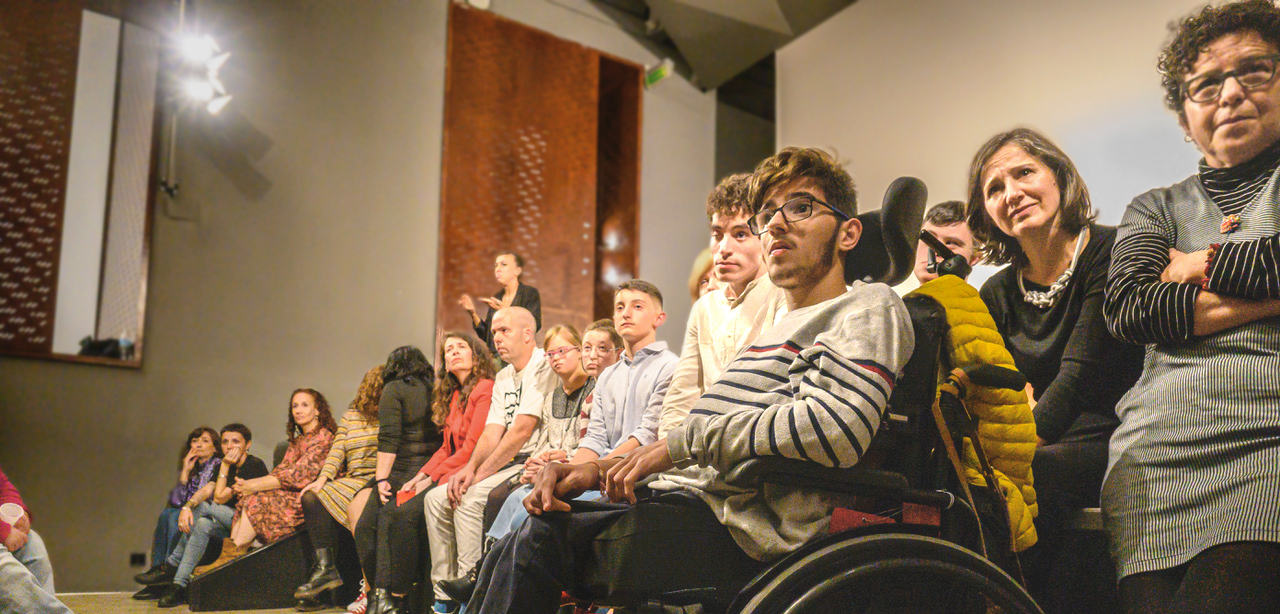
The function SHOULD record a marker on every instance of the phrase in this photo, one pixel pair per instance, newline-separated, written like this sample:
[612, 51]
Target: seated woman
[507, 268]
[329, 501]
[270, 507]
[1190, 497]
[201, 458]
[1029, 208]
[406, 439]
[570, 412]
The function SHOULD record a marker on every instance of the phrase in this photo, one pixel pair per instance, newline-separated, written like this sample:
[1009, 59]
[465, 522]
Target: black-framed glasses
[794, 210]
[1252, 73]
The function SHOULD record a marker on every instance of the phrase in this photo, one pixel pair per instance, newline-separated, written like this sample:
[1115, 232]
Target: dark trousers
[388, 539]
[1070, 571]
[1235, 578]
[614, 554]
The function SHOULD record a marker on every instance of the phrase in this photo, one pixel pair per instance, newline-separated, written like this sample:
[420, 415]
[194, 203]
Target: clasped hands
[559, 482]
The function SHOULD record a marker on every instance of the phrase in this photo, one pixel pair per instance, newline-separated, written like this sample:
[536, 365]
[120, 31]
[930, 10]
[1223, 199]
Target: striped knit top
[1140, 311]
[1192, 464]
[811, 388]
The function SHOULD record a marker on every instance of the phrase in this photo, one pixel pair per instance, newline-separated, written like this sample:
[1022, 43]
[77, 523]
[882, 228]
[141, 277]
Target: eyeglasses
[794, 210]
[1253, 73]
[562, 351]
[592, 351]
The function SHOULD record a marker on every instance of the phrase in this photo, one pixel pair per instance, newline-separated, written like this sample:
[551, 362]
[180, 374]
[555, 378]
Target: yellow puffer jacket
[1005, 424]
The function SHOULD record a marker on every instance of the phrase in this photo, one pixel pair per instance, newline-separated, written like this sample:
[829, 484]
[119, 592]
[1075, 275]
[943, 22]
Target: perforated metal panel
[39, 41]
[519, 165]
[124, 263]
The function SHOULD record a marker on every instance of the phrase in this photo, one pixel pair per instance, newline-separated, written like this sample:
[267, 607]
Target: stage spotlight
[216, 105]
[198, 89]
[199, 49]
[217, 61]
[217, 85]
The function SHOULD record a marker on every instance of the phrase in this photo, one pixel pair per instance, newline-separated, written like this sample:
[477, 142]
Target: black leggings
[388, 539]
[1239, 577]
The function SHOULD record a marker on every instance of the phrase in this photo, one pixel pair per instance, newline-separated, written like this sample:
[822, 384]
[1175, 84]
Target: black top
[251, 468]
[1234, 187]
[1078, 370]
[527, 297]
[404, 428]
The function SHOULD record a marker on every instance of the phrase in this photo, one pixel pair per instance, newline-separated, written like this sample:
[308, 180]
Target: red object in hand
[404, 495]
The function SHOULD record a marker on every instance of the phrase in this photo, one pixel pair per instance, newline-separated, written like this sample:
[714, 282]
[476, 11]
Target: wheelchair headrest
[886, 252]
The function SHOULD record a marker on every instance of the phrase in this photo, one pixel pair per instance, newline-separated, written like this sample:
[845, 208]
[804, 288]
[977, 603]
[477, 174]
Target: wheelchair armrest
[752, 473]
[993, 376]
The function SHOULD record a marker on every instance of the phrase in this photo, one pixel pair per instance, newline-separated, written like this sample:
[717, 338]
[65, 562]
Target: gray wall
[743, 140]
[914, 87]
[307, 249]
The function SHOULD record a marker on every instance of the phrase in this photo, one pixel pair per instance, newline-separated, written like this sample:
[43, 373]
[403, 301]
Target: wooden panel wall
[39, 47]
[519, 165]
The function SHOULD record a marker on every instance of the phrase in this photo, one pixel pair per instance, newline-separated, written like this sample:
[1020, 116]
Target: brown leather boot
[230, 552]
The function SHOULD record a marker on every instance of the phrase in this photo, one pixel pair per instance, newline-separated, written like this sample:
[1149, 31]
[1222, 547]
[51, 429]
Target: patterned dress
[1193, 463]
[276, 513]
[354, 456]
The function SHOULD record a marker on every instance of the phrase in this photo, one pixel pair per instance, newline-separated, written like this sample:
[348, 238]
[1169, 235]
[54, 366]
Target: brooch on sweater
[1229, 224]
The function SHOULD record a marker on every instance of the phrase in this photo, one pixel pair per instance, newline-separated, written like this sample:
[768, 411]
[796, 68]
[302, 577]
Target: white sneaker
[362, 602]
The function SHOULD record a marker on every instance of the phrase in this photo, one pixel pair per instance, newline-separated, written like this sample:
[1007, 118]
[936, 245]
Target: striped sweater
[812, 388]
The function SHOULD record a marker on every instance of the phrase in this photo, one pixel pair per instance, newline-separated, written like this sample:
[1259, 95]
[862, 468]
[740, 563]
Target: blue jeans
[26, 580]
[212, 521]
[166, 536]
[513, 514]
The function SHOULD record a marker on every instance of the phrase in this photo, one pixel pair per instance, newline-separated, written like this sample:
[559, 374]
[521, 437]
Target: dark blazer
[527, 297]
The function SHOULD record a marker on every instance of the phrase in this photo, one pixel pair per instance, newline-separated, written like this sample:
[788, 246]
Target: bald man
[522, 394]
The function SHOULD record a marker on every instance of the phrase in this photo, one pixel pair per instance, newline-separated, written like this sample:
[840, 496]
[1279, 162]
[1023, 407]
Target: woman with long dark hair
[406, 439]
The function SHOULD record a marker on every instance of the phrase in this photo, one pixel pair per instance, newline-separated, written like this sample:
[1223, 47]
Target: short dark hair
[729, 199]
[1197, 31]
[607, 326]
[640, 285]
[236, 427]
[997, 247]
[805, 163]
[515, 256]
[946, 213]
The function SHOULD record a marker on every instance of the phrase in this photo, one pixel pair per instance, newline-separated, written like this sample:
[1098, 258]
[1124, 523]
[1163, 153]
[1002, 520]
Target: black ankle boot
[381, 601]
[324, 576]
[460, 589]
[160, 574]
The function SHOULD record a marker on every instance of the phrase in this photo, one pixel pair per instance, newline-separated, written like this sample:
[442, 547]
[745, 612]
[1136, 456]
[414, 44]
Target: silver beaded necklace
[1046, 299]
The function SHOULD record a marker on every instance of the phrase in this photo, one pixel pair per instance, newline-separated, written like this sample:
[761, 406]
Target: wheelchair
[920, 548]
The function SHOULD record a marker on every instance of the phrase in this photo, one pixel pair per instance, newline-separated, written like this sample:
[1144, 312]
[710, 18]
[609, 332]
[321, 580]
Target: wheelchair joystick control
[952, 263]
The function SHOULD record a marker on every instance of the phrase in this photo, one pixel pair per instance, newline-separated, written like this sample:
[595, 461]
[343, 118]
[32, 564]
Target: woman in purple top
[200, 461]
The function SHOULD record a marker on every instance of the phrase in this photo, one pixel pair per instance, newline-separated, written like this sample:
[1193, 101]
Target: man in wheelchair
[812, 388]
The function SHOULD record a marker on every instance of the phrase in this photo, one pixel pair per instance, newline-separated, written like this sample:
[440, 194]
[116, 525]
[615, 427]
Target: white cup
[10, 513]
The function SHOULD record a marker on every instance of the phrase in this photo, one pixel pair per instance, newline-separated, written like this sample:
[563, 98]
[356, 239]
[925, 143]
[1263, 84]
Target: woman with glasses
[1190, 498]
[1029, 208]
[570, 408]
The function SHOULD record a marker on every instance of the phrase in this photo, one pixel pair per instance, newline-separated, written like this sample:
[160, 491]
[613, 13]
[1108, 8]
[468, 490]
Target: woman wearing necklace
[1190, 497]
[1029, 208]
[507, 269]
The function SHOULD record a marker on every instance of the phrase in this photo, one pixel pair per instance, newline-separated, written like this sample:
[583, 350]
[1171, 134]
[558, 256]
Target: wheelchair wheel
[887, 573]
